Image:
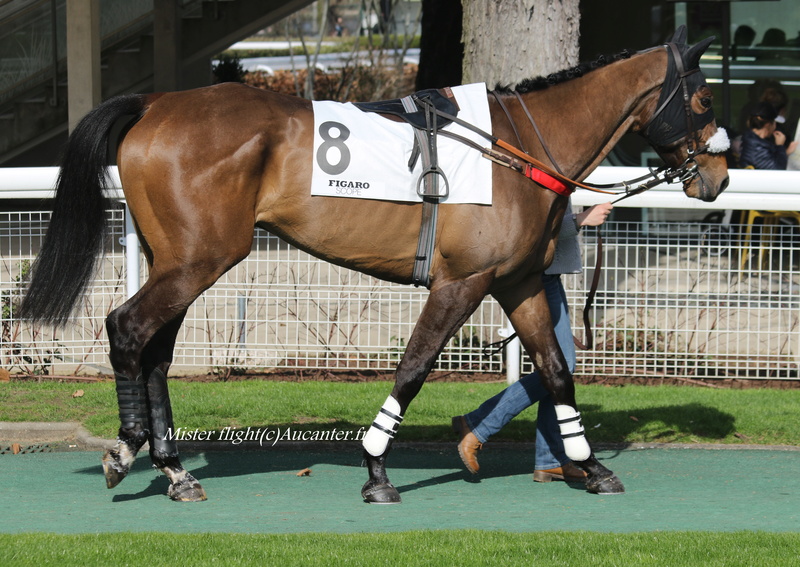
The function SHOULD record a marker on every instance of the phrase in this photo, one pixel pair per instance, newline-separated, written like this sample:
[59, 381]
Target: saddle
[427, 111]
[416, 116]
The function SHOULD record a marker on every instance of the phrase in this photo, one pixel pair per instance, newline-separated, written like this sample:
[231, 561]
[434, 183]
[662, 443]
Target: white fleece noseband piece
[719, 143]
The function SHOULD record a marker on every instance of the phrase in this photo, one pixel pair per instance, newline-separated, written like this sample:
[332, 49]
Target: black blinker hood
[671, 123]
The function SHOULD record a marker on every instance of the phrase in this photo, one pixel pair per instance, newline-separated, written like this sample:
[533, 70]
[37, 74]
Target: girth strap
[427, 186]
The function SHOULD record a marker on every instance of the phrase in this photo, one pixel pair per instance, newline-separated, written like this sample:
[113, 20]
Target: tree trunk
[506, 41]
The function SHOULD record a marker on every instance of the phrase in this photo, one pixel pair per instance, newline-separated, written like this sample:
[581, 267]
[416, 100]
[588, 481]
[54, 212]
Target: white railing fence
[686, 299]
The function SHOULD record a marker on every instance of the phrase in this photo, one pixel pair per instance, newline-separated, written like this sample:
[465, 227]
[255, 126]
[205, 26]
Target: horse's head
[682, 128]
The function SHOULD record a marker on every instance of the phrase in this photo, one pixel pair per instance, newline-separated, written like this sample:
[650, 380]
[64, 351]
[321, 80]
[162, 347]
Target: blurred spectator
[777, 97]
[763, 146]
[773, 44]
[743, 39]
[769, 90]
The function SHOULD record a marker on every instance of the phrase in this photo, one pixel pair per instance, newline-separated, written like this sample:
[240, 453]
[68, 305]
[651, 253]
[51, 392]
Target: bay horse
[201, 168]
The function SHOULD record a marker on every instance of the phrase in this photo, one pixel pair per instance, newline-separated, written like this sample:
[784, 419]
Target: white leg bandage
[383, 428]
[575, 445]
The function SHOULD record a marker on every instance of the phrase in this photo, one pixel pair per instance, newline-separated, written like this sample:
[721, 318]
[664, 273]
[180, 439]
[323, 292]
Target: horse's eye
[706, 101]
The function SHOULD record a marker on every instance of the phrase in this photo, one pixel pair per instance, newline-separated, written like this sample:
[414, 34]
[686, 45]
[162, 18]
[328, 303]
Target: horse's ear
[679, 37]
[692, 57]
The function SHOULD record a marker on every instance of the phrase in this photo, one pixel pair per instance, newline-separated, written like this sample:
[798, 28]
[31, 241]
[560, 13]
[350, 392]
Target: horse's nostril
[724, 184]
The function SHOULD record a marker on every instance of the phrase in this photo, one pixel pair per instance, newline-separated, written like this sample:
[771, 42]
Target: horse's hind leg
[527, 309]
[163, 445]
[140, 360]
[447, 308]
[146, 415]
[133, 431]
[142, 336]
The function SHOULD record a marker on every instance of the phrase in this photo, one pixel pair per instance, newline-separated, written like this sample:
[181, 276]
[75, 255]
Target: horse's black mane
[540, 83]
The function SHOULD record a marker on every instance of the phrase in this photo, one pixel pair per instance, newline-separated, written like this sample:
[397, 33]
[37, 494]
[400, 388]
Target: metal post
[54, 50]
[241, 318]
[512, 353]
[726, 63]
[83, 58]
[131, 255]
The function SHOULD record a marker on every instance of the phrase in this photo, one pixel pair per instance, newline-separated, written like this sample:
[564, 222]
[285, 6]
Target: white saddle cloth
[363, 155]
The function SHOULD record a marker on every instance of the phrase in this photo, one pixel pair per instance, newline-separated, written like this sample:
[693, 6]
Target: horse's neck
[581, 120]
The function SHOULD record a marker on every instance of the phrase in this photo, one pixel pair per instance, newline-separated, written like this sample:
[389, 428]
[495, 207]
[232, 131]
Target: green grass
[663, 413]
[467, 547]
[659, 414]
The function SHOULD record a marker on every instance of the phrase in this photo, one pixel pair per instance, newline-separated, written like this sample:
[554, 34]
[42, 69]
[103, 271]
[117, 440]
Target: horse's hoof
[113, 469]
[187, 490]
[380, 494]
[604, 485]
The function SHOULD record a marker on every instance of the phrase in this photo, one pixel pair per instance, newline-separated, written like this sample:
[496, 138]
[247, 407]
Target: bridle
[684, 173]
[553, 178]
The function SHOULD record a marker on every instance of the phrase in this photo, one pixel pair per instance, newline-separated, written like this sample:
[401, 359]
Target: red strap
[548, 181]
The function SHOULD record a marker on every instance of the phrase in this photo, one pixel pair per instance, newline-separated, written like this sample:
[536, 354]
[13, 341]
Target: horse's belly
[375, 237]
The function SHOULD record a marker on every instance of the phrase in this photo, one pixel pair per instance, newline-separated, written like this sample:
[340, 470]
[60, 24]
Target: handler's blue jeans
[496, 412]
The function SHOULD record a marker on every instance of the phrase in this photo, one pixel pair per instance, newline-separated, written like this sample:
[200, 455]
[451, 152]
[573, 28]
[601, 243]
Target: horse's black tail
[67, 259]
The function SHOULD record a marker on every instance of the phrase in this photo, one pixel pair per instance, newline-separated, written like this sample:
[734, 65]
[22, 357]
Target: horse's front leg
[449, 305]
[527, 309]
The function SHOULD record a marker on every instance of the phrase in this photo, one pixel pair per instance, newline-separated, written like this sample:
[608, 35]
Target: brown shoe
[468, 444]
[567, 473]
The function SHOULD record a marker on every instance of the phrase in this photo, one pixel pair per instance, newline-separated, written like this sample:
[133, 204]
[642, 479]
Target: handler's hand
[594, 215]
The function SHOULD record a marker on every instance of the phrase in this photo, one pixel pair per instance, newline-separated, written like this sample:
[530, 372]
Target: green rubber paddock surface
[260, 492]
